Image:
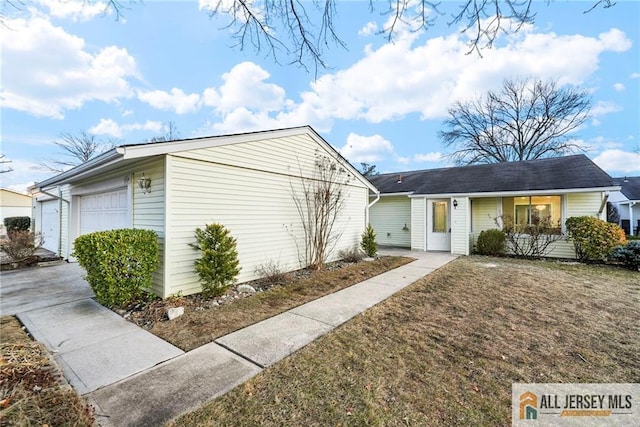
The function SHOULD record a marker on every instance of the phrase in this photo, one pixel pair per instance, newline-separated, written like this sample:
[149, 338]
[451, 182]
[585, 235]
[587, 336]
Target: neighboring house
[627, 200]
[446, 209]
[245, 182]
[13, 203]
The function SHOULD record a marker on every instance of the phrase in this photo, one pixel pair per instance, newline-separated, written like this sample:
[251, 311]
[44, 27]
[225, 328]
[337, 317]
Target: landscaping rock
[247, 289]
[174, 312]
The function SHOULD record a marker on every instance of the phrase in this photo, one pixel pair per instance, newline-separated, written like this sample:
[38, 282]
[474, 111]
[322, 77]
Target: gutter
[102, 159]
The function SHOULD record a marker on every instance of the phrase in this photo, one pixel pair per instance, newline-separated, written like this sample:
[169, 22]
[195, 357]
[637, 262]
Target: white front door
[104, 211]
[50, 224]
[438, 225]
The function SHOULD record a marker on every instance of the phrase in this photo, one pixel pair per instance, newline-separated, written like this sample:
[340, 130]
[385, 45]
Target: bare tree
[171, 133]
[3, 161]
[77, 149]
[303, 30]
[528, 119]
[319, 200]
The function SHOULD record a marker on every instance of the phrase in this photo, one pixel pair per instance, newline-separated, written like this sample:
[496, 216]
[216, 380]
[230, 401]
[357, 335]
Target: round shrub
[628, 255]
[119, 263]
[218, 266]
[491, 242]
[594, 239]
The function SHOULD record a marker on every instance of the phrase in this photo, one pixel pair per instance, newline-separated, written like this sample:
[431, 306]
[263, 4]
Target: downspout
[603, 204]
[366, 216]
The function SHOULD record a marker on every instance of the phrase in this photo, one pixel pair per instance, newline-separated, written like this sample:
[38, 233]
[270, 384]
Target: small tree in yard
[218, 267]
[319, 203]
[21, 245]
[368, 243]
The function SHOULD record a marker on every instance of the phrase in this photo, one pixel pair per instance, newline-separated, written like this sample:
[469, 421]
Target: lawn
[32, 390]
[446, 350]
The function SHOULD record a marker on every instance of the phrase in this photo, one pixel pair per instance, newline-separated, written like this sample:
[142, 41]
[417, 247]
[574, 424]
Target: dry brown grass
[446, 350]
[32, 391]
[198, 327]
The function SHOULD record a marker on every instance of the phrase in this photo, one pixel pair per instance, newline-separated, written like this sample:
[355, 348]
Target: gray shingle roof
[558, 173]
[631, 188]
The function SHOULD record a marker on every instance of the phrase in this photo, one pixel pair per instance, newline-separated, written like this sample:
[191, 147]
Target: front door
[438, 225]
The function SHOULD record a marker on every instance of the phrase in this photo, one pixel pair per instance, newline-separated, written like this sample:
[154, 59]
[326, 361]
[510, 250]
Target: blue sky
[68, 67]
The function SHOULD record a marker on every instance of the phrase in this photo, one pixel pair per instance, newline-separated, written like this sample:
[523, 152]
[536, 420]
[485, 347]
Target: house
[13, 203]
[627, 200]
[446, 209]
[247, 182]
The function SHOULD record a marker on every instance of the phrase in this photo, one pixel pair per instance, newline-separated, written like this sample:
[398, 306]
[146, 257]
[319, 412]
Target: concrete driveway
[29, 289]
[94, 346]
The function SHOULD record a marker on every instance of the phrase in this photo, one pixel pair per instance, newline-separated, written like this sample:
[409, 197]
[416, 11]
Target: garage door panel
[104, 211]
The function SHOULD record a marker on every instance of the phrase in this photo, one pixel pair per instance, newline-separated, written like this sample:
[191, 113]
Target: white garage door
[104, 211]
[50, 225]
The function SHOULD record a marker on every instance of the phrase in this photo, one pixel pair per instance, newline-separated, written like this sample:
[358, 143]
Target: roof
[129, 153]
[558, 173]
[630, 187]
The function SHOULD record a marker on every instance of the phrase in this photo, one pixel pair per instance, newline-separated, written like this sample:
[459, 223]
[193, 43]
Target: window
[532, 210]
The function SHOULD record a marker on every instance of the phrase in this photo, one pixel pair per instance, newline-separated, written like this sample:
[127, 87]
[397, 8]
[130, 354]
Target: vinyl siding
[418, 224]
[148, 211]
[579, 204]
[252, 197]
[460, 227]
[389, 216]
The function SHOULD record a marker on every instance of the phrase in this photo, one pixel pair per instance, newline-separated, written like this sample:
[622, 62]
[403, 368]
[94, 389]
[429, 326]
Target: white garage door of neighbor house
[104, 211]
[50, 225]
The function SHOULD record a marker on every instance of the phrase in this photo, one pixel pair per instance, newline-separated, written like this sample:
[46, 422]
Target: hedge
[119, 263]
[594, 239]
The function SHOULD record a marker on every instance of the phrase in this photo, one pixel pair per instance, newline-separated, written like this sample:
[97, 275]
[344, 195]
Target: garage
[50, 225]
[104, 211]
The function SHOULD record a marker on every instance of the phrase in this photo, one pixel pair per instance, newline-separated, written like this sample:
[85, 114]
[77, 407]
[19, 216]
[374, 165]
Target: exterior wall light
[144, 184]
[455, 203]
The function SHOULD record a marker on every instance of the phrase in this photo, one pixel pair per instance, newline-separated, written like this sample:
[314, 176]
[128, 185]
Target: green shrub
[593, 239]
[491, 242]
[218, 266]
[368, 242]
[119, 263]
[17, 223]
[629, 255]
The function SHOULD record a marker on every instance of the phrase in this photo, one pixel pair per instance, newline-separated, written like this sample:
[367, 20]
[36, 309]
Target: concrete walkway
[182, 384]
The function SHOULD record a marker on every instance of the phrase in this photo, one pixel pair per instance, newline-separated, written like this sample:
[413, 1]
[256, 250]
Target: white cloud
[619, 87]
[76, 10]
[47, 71]
[432, 157]
[176, 100]
[368, 29]
[604, 107]
[110, 128]
[399, 79]
[618, 161]
[635, 75]
[106, 127]
[367, 149]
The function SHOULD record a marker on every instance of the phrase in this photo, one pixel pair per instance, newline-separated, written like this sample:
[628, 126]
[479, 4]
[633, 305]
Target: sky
[67, 66]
